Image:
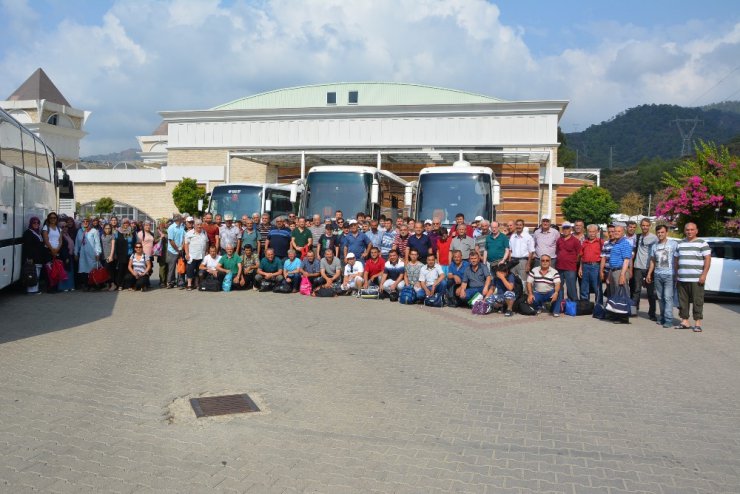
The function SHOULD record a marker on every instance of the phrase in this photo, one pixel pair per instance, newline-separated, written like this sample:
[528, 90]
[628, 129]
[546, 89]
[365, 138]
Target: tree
[632, 204]
[703, 190]
[590, 204]
[104, 205]
[185, 195]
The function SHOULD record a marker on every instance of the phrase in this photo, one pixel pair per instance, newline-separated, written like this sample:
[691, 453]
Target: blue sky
[125, 60]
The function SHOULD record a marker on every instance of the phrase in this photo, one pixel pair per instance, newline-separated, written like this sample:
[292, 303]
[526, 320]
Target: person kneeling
[353, 272]
[292, 270]
[432, 278]
[270, 270]
[505, 290]
[139, 265]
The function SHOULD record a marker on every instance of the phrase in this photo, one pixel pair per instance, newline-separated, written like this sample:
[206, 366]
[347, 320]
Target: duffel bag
[434, 300]
[283, 287]
[371, 292]
[266, 286]
[584, 308]
[210, 284]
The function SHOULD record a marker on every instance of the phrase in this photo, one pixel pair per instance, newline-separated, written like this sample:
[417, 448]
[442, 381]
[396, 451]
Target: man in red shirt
[460, 220]
[374, 267]
[567, 249]
[589, 268]
[211, 230]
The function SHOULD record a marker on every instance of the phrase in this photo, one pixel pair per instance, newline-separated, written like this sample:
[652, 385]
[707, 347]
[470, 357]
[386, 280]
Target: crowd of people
[500, 263]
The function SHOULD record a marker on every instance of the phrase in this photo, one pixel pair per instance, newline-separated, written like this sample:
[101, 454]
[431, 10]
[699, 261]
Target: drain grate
[223, 405]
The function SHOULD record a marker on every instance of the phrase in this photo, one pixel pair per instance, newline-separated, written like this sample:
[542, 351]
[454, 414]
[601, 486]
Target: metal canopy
[400, 156]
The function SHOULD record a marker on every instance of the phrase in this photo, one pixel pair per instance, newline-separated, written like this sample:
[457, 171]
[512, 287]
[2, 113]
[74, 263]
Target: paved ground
[360, 396]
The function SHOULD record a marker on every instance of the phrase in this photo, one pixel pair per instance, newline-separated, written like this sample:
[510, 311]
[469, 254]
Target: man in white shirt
[353, 271]
[208, 265]
[432, 277]
[522, 250]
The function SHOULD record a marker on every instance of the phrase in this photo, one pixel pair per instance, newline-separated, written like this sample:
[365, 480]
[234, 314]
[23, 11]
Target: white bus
[27, 188]
[444, 191]
[353, 189]
[238, 199]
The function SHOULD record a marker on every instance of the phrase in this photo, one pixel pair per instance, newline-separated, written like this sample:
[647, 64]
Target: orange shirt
[591, 250]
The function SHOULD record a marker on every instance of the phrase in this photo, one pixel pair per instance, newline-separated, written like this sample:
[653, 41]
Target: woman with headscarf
[88, 250]
[34, 250]
[52, 235]
[66, 255]
[108, 240]
[124, 248]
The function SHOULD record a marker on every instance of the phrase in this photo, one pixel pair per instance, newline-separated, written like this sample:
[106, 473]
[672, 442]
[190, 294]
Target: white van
[724, 273]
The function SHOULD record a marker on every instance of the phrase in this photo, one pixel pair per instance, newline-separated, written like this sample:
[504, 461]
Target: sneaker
[668, 326]
[508, 313]
[556, 314]
[539, 311]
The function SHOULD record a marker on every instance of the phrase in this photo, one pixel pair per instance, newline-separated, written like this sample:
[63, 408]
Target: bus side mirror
[268, 205]
[496, 193]
[375, 192]
[293, 192]
[408, 196]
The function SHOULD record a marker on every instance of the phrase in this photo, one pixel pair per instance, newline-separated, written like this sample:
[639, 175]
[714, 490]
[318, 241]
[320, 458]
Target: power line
[715, 85]
[686, 127]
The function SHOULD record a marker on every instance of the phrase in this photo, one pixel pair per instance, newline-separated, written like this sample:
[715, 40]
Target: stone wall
[152, 199]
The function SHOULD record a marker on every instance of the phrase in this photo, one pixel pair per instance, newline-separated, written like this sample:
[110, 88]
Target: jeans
[541, 298]
[294, 280]
[639, 278]
[568, 281]
[590, 282]
[441, 288]
[663, 284]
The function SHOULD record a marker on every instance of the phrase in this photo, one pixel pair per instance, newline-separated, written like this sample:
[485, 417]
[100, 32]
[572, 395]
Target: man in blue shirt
[420, 242]
[455, 275]
[476, 279]
[355, 242]
[374, 234]
[279, 239]
[620, 258]
[175, 239]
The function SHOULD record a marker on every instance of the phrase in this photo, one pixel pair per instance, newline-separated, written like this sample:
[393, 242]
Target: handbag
[181, 266]
[619, 302]
[157, 251]
[98, 275]
[226, 284]
[55, 272]
[571, 308]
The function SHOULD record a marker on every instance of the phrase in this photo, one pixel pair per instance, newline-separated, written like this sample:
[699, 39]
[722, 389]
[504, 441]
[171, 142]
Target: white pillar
[228, 167]
[549, 186]
[303, 165]
[379, 161]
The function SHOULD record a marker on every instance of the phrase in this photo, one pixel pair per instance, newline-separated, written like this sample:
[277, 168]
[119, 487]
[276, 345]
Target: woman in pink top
[146, 237]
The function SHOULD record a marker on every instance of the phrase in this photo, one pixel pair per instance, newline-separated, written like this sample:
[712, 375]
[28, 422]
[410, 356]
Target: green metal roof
[369, 94]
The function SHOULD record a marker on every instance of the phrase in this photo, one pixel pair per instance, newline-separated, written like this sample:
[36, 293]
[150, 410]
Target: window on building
[331, 98]
[354, 97]
[53, 120]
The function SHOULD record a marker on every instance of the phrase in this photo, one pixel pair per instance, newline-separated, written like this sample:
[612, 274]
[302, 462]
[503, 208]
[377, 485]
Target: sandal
[190, 289]
[697, 329]
[682, 326]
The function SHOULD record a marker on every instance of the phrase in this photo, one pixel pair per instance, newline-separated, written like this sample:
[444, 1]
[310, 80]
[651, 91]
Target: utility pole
[686, 127]
[611, 156]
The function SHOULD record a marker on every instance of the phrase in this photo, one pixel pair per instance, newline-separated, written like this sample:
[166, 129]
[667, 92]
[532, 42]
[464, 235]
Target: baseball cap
[545, 218]
[228, 217]
[427, 222]
[478, 218]
[352, 222]
[566, 225]
[350, 256]
[189, 218]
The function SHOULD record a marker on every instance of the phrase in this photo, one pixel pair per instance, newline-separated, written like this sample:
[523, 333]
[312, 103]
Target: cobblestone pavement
[360, 396]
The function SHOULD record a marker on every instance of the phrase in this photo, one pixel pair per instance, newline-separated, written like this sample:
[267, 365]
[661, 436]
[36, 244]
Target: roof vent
[461, 163]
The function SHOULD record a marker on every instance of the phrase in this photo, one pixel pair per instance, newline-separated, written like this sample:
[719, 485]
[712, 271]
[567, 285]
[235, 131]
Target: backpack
[325, 292]
[584, 308]
[434, 300]
[29, 277]
[283, 287]
[407, 296]
[266, 286]
[526, 309]
[481, 307]
[372, 292]
[210, 284]
[393, 296]
[305, 286]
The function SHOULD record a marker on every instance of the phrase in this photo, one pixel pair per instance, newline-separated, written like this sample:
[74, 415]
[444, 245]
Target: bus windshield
[236, 200]
[328, 192]
[443, 195]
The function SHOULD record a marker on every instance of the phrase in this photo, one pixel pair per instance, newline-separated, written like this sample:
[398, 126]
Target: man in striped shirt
[543, 285]
[693, 258]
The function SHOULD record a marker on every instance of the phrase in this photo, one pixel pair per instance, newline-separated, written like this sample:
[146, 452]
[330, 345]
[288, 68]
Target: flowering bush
[703, 190]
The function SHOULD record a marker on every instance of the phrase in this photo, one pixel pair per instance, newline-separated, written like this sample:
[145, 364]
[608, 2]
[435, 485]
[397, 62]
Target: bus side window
[10, 144]
[29, 153]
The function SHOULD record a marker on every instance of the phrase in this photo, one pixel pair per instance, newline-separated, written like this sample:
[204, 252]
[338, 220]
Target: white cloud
[149, 55]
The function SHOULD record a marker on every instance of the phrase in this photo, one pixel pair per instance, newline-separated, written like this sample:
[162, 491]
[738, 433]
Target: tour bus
[27, 188]
[444, 191]
[238, 199]
[353, 189]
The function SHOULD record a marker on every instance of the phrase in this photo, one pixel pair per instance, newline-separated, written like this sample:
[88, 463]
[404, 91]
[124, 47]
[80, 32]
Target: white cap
[427, 222]
[228, 217]
[350, 256]
[352, 222]
[545, 218]
[478, 218]
[189, 218]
